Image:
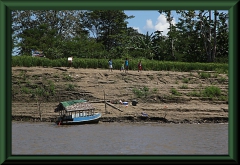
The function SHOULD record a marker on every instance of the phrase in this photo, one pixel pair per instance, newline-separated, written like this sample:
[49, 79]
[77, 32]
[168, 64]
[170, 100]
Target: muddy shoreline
[132, 119]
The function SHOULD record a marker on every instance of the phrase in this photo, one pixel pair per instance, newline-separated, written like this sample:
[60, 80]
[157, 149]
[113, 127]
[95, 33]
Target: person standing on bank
[70, 60]
[126, 65]
[140, 66]
[122, 67]
[110, 65]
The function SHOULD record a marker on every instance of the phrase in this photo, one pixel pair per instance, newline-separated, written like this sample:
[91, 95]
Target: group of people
[124, 65]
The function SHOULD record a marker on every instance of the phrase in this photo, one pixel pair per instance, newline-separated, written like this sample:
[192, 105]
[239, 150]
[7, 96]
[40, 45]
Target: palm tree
[146, 44]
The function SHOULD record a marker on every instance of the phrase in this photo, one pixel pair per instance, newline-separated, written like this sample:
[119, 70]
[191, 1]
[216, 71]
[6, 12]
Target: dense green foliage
[28, 61]
[199, 36]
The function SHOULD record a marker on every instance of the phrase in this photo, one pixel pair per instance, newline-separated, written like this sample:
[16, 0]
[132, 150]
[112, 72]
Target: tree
[189, 42]
[222, 37]
[159, 45]
[209, 27]
[170, 33]
[106, 26]
[43, 29]
[145, 43]
[199, 35]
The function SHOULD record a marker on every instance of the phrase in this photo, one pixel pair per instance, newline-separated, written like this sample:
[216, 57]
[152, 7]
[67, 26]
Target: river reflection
[119, 138]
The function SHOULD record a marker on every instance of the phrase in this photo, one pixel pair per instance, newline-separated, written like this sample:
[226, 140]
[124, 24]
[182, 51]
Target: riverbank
[165, 96]
[131, 119]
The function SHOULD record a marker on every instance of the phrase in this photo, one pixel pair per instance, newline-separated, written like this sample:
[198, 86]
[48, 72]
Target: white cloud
[149, 25]
[161, 25]
[137, 28]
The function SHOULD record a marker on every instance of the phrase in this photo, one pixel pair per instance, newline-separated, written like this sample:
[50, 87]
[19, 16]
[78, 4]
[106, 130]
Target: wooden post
[114, 106]
[105, 102]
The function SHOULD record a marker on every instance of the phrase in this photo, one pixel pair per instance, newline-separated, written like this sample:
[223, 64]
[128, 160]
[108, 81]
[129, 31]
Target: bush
[211, 91]
[175, 92]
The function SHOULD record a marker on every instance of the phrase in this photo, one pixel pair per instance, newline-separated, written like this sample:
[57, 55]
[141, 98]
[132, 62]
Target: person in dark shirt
[126, 65]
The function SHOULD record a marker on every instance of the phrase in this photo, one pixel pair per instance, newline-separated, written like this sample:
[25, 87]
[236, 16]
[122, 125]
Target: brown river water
[29, 138]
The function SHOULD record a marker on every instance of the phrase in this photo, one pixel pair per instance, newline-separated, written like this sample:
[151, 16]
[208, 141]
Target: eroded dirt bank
[165, 96]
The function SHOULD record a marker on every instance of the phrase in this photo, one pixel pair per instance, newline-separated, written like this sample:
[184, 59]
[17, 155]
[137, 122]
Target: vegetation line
[155, 65]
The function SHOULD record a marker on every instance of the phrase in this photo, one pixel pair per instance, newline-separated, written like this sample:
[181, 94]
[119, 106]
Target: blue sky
[151, 20]
[148, 20]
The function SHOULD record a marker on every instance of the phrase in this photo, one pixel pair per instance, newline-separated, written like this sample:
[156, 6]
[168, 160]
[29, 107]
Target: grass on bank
[29, 61]
[212, 92]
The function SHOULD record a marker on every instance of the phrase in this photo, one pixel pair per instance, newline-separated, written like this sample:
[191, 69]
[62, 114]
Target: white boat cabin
[70, 114]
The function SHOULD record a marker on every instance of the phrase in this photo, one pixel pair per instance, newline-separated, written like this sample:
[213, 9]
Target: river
[46, 138]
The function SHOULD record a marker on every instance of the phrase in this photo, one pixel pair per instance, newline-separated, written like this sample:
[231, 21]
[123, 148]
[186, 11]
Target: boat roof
[74, 105]
[71, 102]
[80, 107]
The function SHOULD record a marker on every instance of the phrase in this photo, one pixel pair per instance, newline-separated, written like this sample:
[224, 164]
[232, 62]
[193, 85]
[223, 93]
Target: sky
[149, 21]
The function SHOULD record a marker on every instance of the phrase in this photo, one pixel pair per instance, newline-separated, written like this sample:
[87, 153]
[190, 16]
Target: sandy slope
[91, 84]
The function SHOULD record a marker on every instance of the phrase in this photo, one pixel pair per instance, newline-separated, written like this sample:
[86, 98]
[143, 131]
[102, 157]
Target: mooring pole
[105, 102]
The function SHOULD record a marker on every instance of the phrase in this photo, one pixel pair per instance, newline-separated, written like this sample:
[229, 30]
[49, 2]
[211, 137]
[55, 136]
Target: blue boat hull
[80, 120]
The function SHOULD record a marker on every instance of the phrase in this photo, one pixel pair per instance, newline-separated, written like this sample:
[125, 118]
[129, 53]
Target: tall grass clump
[26, 61]
[175, 92]
[57, 63]
[204, 75]
[138, 93]
[185, 80]
[222, 79]
[194, 93]
[211, 91]
[70, 87]
[183, 86]
[144, 92]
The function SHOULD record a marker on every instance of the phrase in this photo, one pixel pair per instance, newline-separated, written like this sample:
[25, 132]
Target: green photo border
[5, 75]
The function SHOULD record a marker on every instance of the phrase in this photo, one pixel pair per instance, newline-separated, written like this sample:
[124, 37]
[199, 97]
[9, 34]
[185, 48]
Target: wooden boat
[76, 112]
